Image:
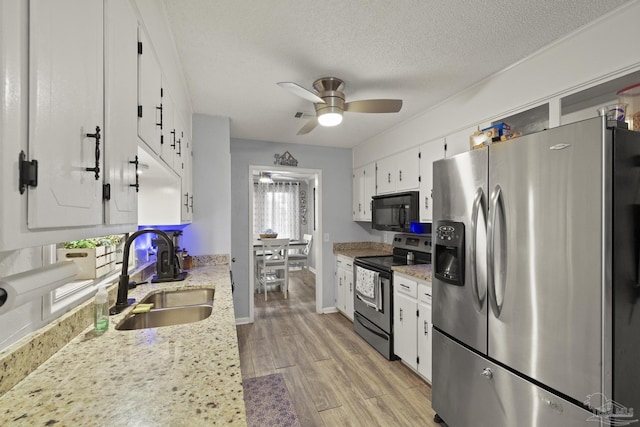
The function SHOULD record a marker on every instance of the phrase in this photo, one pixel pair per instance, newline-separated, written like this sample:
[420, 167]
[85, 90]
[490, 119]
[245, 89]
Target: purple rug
[268, 403]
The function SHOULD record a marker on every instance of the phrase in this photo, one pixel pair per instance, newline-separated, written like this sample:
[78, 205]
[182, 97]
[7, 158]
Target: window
[277, 207]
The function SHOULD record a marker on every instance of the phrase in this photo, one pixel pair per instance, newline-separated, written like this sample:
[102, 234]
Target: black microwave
[395, 212]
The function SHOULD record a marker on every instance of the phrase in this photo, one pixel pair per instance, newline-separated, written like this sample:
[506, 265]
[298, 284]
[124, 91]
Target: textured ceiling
[421, 51]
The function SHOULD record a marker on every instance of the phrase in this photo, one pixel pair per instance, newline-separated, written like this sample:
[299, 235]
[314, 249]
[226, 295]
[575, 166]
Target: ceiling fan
[329, 102]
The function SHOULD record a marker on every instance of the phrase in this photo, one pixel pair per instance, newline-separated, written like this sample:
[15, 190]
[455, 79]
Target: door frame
[316, 247]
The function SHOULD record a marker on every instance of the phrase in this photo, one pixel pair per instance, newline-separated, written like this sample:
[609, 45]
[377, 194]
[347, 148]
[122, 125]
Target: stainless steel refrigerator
[536, 280]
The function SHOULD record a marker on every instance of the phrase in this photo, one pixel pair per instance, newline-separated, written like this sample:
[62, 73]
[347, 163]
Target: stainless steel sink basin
[180, 297]
[165, 317]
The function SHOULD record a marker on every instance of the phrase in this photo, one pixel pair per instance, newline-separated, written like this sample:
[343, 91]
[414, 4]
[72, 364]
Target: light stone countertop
[419, 271]
[182, 375]
[359, 249]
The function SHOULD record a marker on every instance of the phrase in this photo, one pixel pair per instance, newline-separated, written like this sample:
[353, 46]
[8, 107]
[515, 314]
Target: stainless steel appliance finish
[395, 212]
[374, 321]
[550, 282]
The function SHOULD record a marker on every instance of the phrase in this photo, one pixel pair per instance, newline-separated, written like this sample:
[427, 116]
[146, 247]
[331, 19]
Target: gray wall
[209, 232]
[335, 164]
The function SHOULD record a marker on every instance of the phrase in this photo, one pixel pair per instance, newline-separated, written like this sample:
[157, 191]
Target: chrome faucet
[123, 301]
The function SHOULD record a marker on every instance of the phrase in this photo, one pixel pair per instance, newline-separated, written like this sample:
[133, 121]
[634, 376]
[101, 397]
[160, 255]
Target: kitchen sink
[178, 298]
[167, 308]
[165, 317]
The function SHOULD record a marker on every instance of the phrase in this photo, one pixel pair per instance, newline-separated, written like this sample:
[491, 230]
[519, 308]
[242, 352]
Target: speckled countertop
[356, 249]
[183, 375]
[419, 271]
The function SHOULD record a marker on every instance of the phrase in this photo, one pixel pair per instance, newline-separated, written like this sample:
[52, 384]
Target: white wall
[209, 232]
[586, 57]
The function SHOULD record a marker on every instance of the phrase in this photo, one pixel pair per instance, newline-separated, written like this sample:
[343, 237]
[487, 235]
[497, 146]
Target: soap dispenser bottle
[101, 310]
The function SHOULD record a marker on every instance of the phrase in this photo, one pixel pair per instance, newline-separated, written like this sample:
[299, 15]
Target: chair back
[307, 238]
[276, 251]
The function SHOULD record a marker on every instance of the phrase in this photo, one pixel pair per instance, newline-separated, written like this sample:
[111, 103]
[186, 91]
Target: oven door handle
[370, 304]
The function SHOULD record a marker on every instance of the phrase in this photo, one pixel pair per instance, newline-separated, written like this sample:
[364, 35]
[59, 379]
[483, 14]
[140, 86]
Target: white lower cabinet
[344, 285]
[425, 329]
[412, 323]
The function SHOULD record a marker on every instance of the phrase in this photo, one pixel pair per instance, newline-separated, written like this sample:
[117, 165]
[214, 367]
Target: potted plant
[94, 257]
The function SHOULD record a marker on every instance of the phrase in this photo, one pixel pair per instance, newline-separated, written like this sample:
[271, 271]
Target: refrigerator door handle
[497, 202]
[478, 205]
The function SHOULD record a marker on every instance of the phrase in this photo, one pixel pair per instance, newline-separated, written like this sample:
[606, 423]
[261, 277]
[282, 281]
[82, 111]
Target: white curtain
[276, 206]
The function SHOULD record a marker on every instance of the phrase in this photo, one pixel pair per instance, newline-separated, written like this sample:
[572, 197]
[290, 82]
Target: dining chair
[273, 265]
[301, 259]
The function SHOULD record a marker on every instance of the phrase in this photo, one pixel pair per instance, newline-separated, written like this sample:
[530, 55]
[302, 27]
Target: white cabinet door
[408, 170]
[369, 190]
[429, 153]
[186, 176]
[349, 291]
[169, 137]
[404, 329]
[425, 339]
[121, 99]
[149, 95]
[400, 172]
[458, 142]
[65, 106]
[386, 175]
[364, 188]
[339, 286]
[357, 187]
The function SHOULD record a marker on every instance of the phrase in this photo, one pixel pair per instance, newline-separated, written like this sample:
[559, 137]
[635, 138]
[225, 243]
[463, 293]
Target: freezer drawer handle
[487, 373]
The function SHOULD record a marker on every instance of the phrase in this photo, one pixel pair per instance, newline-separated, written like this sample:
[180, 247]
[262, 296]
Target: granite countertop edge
[175, 375]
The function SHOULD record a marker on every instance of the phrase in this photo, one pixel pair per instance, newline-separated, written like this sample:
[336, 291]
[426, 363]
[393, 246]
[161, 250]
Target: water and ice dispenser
[448, 261]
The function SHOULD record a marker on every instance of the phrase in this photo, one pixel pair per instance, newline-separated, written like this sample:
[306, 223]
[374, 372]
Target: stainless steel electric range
[373, 296]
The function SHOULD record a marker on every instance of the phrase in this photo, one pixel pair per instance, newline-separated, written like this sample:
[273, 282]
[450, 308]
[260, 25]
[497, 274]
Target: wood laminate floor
[333, 376]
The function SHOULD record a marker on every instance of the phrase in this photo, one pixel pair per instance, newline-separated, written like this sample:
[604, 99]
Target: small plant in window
[95, 257]
[111, 240]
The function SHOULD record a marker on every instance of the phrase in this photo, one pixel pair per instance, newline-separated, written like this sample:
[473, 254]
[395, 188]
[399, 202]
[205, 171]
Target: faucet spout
[123, 301]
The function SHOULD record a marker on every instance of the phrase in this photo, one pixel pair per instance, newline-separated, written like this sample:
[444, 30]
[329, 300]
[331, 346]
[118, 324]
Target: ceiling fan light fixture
[330, 118]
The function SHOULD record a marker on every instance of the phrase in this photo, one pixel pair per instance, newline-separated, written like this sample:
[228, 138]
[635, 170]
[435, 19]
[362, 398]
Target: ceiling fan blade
[374, 106]
[309, 126]
[301, 92]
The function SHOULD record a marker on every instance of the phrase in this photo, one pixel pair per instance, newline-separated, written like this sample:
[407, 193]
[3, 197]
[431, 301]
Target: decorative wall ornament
[285, 159]
[303, 207]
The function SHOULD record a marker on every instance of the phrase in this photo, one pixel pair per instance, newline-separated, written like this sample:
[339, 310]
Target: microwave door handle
[402, 216]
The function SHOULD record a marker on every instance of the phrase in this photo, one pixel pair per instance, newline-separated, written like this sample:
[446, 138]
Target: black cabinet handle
[95, 169]
[137, 184]
[173, 134]
[186, 201]
[161, 119]
[179, 142]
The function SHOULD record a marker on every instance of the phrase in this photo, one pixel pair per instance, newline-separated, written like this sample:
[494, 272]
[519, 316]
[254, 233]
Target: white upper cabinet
[458, 142]
[185, 158]
[121, 70]
[429, 153]
[400, 172]
[150, 112]
[364, 188]
[66, 112]
[168, 129]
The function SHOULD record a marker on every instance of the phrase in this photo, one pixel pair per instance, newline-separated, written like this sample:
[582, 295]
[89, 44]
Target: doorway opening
[310, 219]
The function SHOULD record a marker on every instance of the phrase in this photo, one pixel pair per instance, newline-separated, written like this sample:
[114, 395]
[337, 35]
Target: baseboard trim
[242, 320]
